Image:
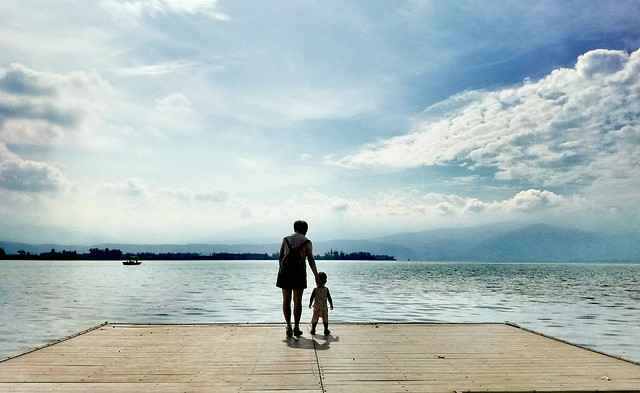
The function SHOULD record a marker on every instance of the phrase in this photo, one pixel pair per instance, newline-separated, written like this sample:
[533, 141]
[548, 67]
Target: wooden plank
[356, 357]
[470, 357]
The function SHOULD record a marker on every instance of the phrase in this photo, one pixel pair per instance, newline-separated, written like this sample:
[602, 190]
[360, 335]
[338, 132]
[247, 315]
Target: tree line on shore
[115, 254]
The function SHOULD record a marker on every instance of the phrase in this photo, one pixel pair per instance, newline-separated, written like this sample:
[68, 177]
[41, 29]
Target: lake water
[592, 304]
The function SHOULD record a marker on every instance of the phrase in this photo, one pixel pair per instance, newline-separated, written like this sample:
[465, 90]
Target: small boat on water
[132, 261]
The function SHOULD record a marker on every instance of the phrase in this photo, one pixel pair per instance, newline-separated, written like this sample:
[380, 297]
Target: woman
[292, 275]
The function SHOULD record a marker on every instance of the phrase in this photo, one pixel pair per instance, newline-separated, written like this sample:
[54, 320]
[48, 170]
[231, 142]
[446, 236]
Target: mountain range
[505, 242]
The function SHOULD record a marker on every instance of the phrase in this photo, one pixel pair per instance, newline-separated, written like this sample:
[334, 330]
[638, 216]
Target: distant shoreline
[490, 243]
[96, 254]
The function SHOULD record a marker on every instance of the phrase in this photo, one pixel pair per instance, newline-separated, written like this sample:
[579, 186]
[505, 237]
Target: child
[320, 294]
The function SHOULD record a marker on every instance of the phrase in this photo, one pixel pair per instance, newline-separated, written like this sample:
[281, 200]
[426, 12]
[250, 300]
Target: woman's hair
[300, 226]
[323, 277]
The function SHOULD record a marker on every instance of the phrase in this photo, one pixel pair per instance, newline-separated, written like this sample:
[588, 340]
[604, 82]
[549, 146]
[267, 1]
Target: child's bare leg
[314, 321]
[325, 321]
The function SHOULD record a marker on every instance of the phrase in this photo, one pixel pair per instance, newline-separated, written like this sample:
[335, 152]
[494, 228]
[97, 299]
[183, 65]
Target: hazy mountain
[14, 247]
[506, 242]
[29, 234]
[444, 244]
[512, 243]
[544, 243]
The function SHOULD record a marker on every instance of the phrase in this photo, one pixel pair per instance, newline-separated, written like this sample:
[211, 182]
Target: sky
[182, 121]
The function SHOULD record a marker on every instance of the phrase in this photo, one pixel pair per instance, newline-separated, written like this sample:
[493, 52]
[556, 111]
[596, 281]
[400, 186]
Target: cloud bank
[43, 108]
[404, 210]
[30, 176]
[412, 204]
[136, 188]
[575, 127]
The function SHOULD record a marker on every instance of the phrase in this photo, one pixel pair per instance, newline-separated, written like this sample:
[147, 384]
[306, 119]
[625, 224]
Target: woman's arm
[281, 255]
[312, 262]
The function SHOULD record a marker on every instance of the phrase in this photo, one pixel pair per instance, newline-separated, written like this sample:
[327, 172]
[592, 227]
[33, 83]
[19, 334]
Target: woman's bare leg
[297, 306]
[286, 306]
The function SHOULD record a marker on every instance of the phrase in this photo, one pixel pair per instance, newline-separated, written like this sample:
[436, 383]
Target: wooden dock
[354, 358]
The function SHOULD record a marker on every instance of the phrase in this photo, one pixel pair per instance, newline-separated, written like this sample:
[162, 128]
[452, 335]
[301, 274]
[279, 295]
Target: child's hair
[323, 277]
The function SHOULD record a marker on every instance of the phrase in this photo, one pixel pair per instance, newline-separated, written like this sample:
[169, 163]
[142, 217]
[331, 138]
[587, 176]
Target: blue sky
[168, 121]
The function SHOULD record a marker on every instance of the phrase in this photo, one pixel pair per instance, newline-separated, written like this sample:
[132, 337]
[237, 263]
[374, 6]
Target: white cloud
[132, 187]
[462, 180]
[175, 104]
[149, 212]
[137, 8]
[158, 69]
[566, 129]
[423, 207]
[247, 164]
[411, 210]
[211, 196]
[43, 108]
[5, 153]
[601, 61]
[30, 176]
[322, 202]
[174, 114]
[185, 194]
[279, 107]
[533, 200]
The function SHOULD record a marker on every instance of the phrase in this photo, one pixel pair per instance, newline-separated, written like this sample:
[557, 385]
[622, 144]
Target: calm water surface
[597, 305]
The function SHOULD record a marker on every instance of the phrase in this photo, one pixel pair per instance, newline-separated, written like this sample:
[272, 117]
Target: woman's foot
[312, 332]
[297, 332]
[327, 332]
[289, 331]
